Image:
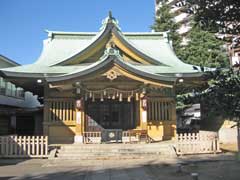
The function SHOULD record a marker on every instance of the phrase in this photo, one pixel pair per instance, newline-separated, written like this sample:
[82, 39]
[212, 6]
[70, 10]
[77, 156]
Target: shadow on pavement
[211, 168]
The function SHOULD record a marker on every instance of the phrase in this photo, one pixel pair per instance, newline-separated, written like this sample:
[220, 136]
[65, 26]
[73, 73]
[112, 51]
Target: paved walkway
[209, 168]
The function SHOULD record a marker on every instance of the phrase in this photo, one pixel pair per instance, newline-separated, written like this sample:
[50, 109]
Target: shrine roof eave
[111, 60]
[11, 74]
[9, 61]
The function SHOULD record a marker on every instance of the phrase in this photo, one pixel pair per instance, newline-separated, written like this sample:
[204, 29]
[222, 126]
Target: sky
[23, 22]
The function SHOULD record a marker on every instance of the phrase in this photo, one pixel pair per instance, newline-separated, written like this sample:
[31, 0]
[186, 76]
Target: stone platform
[115, 151]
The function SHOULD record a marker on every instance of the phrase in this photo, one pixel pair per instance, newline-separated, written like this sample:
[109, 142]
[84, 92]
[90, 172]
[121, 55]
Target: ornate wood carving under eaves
[112, 74]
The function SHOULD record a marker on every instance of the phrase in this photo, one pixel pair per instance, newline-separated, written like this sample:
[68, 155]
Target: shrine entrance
[111, 118]
[111, 114]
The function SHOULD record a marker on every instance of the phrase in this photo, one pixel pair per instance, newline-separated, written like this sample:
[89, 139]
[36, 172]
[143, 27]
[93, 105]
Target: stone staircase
[115, 151]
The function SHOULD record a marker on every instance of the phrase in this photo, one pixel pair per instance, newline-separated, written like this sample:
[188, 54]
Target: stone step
[109, 157]
[115, 151]
[109, 154]
[113, 147]
[112, 152]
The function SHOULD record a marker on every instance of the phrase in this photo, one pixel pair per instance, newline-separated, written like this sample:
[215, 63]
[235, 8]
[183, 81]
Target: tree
[164, 22]
[223, 96]
[217, 15]
[203, 49]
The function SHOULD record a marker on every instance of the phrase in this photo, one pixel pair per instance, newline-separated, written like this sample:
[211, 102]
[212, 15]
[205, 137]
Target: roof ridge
[94, 33]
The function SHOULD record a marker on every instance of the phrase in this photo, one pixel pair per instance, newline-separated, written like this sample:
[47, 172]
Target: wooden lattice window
[159, 109]
[61, 110]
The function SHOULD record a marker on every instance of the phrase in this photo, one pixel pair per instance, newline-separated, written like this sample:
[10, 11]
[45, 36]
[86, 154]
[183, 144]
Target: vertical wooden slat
[70, 111]
[161, 110]
[158, 111]
[53, 111]
[42, 145]
[37, 145]
[33, 144]
[15, 145]
[24, 145]
[46, 145]
[60, 110]
[148, 111]
[2, 145]
[67, 111]
[170, 111]
[6, 145]
[20, 145]
[152, 110]
[11, 142]
[74, 115]
[164, 110]
[29, 145]
[167, 115]
[50, 111]
[56, 110]
[63, 111]
[155, 110]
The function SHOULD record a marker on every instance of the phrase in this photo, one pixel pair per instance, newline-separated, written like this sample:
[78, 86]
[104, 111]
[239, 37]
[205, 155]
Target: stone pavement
[209, 167]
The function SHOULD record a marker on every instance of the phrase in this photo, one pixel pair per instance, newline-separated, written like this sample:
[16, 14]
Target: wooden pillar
[174, 119]
[46, 111]
[79, 107]
[143, 112]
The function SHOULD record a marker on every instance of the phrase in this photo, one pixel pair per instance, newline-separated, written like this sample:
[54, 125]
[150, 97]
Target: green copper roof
[61, 47]
[33, 68]
[6, 62]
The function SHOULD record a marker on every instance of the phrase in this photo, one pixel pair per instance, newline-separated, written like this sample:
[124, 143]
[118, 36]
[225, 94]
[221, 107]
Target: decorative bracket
[112, 74]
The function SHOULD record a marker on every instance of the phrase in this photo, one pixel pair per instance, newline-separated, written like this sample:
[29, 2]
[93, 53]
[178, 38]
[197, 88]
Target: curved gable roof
[112, 58]
[63, 47]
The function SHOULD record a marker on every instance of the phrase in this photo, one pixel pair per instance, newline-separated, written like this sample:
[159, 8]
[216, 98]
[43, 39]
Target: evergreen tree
[203, 49]
[164, 22]
[217, 15]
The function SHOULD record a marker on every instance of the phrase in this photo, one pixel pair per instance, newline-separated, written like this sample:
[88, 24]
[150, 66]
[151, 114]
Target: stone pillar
[78, 138]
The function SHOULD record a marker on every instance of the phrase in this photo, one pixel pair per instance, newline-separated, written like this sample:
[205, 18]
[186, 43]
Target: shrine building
[106, 86]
